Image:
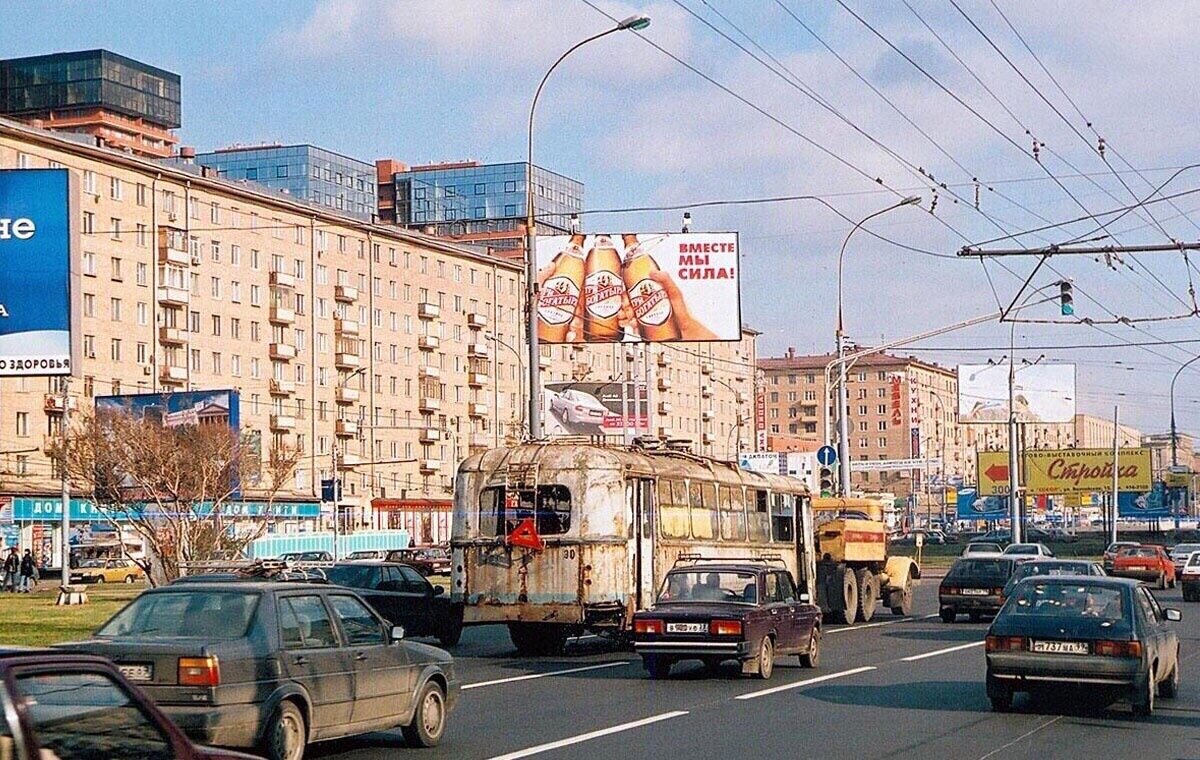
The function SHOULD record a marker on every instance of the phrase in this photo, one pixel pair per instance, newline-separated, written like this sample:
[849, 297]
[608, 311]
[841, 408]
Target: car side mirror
[805, 598]
[397, 634]
[436, 590]
[1172, 615]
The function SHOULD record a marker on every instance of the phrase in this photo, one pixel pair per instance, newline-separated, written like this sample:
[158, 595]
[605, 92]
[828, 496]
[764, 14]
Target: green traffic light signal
[1066, 299]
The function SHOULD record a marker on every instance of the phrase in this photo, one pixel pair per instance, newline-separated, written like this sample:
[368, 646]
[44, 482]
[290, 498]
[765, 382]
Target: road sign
[1178, 479]
[826, 455]
[992, 472]
[879, 465]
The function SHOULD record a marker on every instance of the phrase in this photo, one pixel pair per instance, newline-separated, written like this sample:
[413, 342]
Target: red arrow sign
[997, 473]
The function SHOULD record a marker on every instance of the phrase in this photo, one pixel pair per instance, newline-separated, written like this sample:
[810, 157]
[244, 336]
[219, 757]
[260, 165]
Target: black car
[1051, 567]
[78, 706]
[975, 585]
[427, 560]
[1083, 632]
[403, 596]
[712, 612]
[276, 665]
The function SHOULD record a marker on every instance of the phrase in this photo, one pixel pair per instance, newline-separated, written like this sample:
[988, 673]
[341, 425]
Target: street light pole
[335, 457]
[1174, 430]
[840, 335]
[634, 23]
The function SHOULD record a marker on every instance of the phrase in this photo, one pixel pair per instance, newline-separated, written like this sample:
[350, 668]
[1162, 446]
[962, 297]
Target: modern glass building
[481, 202]
[317, 175]
[125, 103]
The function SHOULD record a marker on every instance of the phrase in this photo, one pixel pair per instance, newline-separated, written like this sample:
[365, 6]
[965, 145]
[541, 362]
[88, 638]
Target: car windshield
[354, 576]
[92, 563]
[1022, 549]
[182, 613]
[1184, 550]
[1118, 546]
[1027, 569]
[1194, 560]
[1138, 551]
[983, 548]
[1068, 600]
[980, 569]
[709, 586]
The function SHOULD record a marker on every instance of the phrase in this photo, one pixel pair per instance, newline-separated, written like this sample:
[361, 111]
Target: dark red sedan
[78, 706]
[751, 612]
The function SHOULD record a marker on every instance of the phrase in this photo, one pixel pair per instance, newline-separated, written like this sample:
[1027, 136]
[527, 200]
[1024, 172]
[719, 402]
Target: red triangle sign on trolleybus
[525, 535]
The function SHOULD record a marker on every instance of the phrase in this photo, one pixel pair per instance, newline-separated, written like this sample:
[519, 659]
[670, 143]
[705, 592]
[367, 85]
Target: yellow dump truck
[854, 571]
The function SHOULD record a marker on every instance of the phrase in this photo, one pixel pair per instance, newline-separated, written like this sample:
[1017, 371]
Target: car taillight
[725, 628]
[1005, 644]
[949, 590]
[199, 671]
[647, 626]
[998, 591]
[1118, 648]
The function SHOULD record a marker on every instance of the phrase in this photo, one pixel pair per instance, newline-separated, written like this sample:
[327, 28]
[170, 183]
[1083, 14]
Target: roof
[79, 55]
[820, 361]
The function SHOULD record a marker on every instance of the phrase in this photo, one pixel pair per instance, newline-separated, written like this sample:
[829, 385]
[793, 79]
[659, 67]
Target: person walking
[12, 568]
[28, 572]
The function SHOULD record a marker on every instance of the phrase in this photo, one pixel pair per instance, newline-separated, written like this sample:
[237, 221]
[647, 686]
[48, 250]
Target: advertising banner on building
[38, 244]
[608, 288]
[609, 409]
[178, 409]
[971, 505]
[1041, 393]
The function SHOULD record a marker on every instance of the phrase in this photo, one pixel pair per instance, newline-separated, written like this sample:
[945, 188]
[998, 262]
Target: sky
[859, 104]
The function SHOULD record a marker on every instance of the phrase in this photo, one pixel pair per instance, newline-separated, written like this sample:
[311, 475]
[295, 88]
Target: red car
[1146, 563]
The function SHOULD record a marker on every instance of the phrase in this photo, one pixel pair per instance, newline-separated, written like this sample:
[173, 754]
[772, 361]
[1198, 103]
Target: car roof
[1103, 580]
[727, 567]
[241, 586]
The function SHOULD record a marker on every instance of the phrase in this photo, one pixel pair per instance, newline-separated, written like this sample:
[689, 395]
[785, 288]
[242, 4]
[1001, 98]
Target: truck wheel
[849, 597]
[902, 602]
[452, 630]
[868, 593]
[766, 658]
[812, 658]
[948, 614]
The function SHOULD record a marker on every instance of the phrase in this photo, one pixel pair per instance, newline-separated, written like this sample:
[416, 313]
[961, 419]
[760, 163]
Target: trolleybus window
[733, 514]
[759, 518]
[782, 519]
[704, 510]
[672, 508]
[552, 515]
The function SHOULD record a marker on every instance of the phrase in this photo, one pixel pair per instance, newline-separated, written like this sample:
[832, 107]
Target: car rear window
[354, 576]
[1139, 551]
[1068, 600]
[185, 613]
[980, 569]
[1028, 569]
[1194, 560]
[709, 586]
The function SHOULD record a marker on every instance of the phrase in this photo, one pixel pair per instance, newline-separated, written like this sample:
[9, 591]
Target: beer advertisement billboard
[1040, 393]
[626, 287]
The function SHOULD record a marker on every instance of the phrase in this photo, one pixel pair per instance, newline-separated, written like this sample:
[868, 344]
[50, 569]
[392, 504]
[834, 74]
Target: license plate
[1059, 647]
[975, 592]
[137, 672]
[687, 627]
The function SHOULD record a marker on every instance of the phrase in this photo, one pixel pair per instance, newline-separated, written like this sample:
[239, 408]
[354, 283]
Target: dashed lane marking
[808, 682]
[867, 625]
[532, 676]
[937, 652]
[590, 735]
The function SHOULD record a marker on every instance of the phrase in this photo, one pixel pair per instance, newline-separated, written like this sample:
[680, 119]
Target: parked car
[107, 571]
[1190, 578]
[1028, 550]
[981, 549]
[276, 665]
[367, 554]
[1107, 633]
[1062, 535]
[1110, 553]
[995, 537]
[745, 611]
[975, 585]
[1051, 567]
[77, 706]
[1179, 555]
[404, 597]
[427, 560]
[314, 556]
[578, 408]
[1145, 562]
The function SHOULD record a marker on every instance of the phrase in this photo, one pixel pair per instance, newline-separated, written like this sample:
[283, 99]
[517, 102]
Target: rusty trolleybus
[601, 525]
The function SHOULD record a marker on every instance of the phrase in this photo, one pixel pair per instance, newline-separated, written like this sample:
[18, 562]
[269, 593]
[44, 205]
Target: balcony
[282, 315]
[478, 350]
[706, 439]
[706, 368]
[476, 320]
[666, 432]
[430, 435]
[169, 373]
[428, 371]
[283, 351]
[429, 466]
[429, 342]
[53, 403]
[346, 395]
[283, 280]
[51, 444]
[344, 360]
[429, 404]
[664, 359]
[664, 383]
[664, 407]
[173, 247]
[345, 428]
[707, 415]
[349, 461]
[171, 336]
[427, 310]
[477, 379]
[706, 392]
[476, 409]
[345, 293]
[345, 327]
[169, 296]
[481, 441]
[283, 422]
[282, 387]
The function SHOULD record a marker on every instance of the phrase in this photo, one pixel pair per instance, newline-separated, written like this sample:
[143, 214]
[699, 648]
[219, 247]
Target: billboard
[1159, 501]
[1041, 393]
[1086, 470]
[178, 409]
[638, 287]
[798, 464]
[38, 244]
[971, 505]
[591, 408]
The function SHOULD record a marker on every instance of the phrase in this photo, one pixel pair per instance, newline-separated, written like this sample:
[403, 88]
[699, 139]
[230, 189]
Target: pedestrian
[12, 567]
[28, 571]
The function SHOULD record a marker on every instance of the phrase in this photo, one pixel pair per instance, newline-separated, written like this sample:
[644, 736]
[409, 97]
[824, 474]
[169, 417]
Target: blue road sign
[826, 456]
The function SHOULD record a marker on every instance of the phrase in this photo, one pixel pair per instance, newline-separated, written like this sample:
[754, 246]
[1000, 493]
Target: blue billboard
[972, 506]
[1160, 501]
[37, 244]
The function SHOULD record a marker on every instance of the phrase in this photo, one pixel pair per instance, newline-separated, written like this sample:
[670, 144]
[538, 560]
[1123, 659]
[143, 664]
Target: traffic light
[1065, 298]
[826, 479]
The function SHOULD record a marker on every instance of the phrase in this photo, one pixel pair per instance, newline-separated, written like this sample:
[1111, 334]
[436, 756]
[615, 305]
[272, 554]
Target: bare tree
[181, 489]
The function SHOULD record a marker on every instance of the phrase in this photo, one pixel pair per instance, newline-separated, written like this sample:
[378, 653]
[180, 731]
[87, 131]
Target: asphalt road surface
[897, 687]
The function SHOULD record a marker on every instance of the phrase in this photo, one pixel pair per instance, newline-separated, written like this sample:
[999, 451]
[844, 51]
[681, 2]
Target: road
[896, 688]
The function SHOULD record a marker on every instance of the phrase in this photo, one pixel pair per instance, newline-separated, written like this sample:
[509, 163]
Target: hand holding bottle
[690, 328]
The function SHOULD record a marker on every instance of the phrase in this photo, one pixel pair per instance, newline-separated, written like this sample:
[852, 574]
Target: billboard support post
[337, 499]
[1014, 473]
[1112, 535]
[66, 487]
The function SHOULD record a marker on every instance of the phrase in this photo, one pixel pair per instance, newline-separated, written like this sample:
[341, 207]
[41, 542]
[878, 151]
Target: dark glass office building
[125, 103]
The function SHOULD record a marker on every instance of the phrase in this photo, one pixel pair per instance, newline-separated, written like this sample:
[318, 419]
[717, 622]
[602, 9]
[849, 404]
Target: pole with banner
[66, 486]
[1112, 535]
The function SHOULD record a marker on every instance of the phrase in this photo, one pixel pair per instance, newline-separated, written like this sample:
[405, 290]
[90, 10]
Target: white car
[1190, 578]
[1179, 555]
[1028, 550]
[981, 549]
[578, 408]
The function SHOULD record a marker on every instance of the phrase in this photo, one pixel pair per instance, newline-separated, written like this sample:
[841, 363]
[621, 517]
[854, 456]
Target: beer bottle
[654, 312]
[603, 292]
[558, 297]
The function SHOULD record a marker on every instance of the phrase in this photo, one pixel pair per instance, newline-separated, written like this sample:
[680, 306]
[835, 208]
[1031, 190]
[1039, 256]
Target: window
[733, 514]
[281, 170]
[673, 508]
[304, 623]
[551, 514]
[89, 263]
[703, 509]
[22, 424]
[782, 518]
[360, 626]
[252, 172]
[115, 190]
[114, 307]
[207, 614]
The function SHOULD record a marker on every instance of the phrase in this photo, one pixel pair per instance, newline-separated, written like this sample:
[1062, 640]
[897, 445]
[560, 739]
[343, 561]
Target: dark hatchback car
[1051, 567]
[276, 665]
[744, 611]
[1090, 633]
[58, 705]
[428, 560]
[975, 585]
[403, 596]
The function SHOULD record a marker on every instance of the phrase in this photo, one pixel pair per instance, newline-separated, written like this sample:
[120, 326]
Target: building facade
[120, 102]
[319, 176]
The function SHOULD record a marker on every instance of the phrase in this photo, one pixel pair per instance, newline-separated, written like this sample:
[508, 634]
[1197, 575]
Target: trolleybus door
[806, 567]
[640, 492]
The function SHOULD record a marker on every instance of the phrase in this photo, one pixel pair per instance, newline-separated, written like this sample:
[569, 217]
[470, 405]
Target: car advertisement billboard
[1158, 501]
[38, 244]
[609, 288]
[608, 409]
[971, 505]
[1041, 393]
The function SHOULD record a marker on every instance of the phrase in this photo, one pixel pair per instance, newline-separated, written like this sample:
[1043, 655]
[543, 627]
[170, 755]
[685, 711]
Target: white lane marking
[867, 625]
[931, 617]
[1025, 735]
[937, 652]
[590, 735]
[532, 676]
[798, 684]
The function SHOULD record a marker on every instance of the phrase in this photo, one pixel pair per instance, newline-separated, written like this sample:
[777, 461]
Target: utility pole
[66, 485]
[1112, 535]
[337, 497]
[1014, 478]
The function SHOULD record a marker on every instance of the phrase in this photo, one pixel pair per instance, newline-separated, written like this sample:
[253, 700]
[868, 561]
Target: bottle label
[557, 300]
[602, 294]
[650, 303]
